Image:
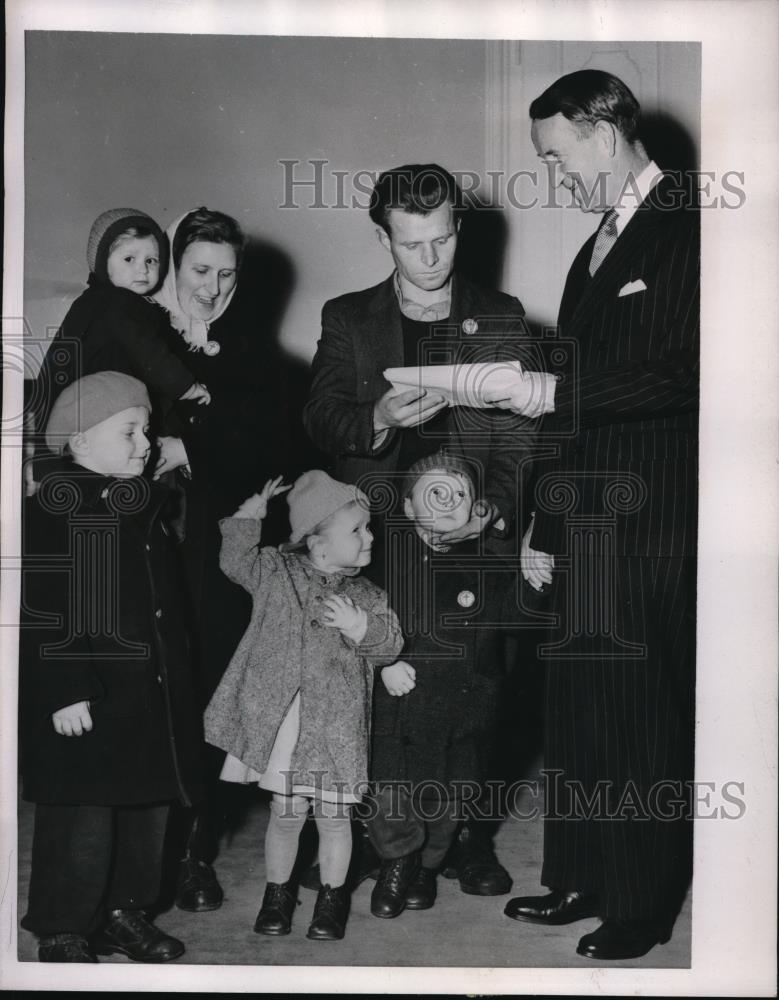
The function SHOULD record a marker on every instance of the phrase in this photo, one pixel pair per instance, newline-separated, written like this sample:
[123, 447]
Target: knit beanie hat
[90, 401]
[113, 223]
[314, 497]
[442, 460]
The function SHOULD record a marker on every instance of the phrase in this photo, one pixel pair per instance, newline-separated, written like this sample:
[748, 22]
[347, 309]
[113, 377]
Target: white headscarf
[194, 331]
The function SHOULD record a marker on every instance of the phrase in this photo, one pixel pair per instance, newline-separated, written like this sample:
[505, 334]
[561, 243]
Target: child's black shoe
[278, 905]
[330, 912]
[64, 948]
[131, 933]
[422, 890]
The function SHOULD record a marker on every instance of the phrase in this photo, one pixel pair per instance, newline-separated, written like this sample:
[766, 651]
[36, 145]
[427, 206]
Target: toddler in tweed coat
[293, 708]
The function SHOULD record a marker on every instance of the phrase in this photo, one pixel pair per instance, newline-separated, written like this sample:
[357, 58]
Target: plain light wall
[167, 122]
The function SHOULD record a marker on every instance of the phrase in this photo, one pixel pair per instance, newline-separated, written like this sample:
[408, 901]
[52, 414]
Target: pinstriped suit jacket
[626, 406]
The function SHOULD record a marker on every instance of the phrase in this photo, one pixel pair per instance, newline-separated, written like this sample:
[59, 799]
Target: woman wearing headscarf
[221, 454]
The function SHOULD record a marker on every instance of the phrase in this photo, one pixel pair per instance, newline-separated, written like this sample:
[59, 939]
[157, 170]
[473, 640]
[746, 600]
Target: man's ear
[607, 133]
[78, 444]
[408, 510]
[384, 239]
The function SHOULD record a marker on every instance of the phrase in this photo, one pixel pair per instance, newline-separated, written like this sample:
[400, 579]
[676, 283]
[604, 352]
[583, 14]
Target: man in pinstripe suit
[613, 536]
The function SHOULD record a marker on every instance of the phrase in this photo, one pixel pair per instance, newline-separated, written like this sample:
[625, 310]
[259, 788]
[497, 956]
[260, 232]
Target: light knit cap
[91, 400]
[314, 497]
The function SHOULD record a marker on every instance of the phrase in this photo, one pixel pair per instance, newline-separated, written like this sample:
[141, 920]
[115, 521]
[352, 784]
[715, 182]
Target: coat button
[158, 613]
[351, 447]
[159, 679]
[314, 623]
[148, 547]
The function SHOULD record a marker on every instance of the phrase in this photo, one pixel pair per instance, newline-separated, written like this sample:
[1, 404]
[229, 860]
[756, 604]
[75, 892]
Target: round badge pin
[470, 326]
[466, 599]
[211, 348]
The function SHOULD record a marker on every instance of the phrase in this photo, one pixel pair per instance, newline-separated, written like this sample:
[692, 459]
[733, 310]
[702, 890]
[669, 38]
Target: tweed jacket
[362, 336]
[626, 409]
[287, 648]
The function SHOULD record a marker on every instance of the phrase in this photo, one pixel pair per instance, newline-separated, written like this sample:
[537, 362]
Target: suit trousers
[619, 733]
[87, 860]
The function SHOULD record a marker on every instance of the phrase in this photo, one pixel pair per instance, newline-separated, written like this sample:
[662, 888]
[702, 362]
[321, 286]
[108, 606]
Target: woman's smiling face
[205, 277]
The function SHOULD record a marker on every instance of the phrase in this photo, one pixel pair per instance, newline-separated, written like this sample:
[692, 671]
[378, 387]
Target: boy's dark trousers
[87, 860]
[400, 824]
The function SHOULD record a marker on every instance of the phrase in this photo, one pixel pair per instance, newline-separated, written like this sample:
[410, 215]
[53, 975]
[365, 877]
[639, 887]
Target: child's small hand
[399, 678]
[74, 720]
[342, 613]
[257, 505]
[197, 391]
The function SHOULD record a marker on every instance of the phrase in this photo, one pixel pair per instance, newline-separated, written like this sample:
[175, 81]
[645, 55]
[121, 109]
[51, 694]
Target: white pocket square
[632, 287]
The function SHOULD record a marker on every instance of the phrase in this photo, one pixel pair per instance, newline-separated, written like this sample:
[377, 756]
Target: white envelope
[460, 385]
[632, 287]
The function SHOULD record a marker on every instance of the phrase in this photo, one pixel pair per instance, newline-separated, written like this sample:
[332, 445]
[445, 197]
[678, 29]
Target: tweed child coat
[287, 649]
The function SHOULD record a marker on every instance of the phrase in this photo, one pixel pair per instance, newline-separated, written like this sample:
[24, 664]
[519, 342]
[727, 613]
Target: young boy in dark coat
[435, 713]
[109, 732]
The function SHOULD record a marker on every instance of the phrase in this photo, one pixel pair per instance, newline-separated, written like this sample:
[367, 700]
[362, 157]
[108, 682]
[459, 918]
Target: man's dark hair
[587, 97]
[419, 188]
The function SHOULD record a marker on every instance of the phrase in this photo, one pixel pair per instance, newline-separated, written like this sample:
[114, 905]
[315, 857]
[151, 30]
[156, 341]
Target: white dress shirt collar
[634, 193]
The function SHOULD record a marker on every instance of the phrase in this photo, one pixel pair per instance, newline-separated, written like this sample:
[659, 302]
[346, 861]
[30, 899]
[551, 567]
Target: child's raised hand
[399, 678]
[257, 505]
[342, 613]
[73, 720]
[198, 392]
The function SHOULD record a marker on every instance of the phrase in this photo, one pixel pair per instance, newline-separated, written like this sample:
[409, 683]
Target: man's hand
[536, 566]
[74, 720]
[256, 507]
[399, 678]
[342, 613]
[406, 409]
[172, 455]
[531, 395]
[482, 516]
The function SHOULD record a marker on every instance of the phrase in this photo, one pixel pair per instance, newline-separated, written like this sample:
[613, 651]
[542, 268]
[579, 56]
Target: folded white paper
[460, 385]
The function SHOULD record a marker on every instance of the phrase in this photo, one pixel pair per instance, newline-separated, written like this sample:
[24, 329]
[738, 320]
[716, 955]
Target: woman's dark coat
[102, 622]
[234, 445]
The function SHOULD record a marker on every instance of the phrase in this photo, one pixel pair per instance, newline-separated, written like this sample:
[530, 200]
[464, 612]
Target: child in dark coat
[113, 325]
[109, 732]
[435, 712]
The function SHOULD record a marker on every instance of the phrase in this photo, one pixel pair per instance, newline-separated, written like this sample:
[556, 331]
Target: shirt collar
[425, 314]
[635, 192]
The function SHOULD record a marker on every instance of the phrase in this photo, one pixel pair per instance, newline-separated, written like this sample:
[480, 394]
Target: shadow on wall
[481, 248]
[268, 279]
[668, 142]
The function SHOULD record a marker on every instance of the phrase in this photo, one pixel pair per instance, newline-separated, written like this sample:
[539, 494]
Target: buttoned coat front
[287, 649]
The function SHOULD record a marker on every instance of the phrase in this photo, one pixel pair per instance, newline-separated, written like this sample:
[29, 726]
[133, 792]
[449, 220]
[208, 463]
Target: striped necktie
[605, 240]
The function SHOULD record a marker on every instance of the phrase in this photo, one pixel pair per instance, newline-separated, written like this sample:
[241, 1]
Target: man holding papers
[614, 531]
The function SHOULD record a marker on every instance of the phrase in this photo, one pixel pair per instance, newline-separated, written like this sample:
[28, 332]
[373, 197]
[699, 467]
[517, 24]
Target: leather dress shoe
[474, 864]
[557, 907]
[616, 939]
[278, 905]
[131, 933]
[197, 888]
[422, 890]
[388, 898]
[330, 912]
[64, 948]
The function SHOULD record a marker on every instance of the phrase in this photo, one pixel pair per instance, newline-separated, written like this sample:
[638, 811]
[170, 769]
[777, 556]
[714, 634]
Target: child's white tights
[287, 816]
